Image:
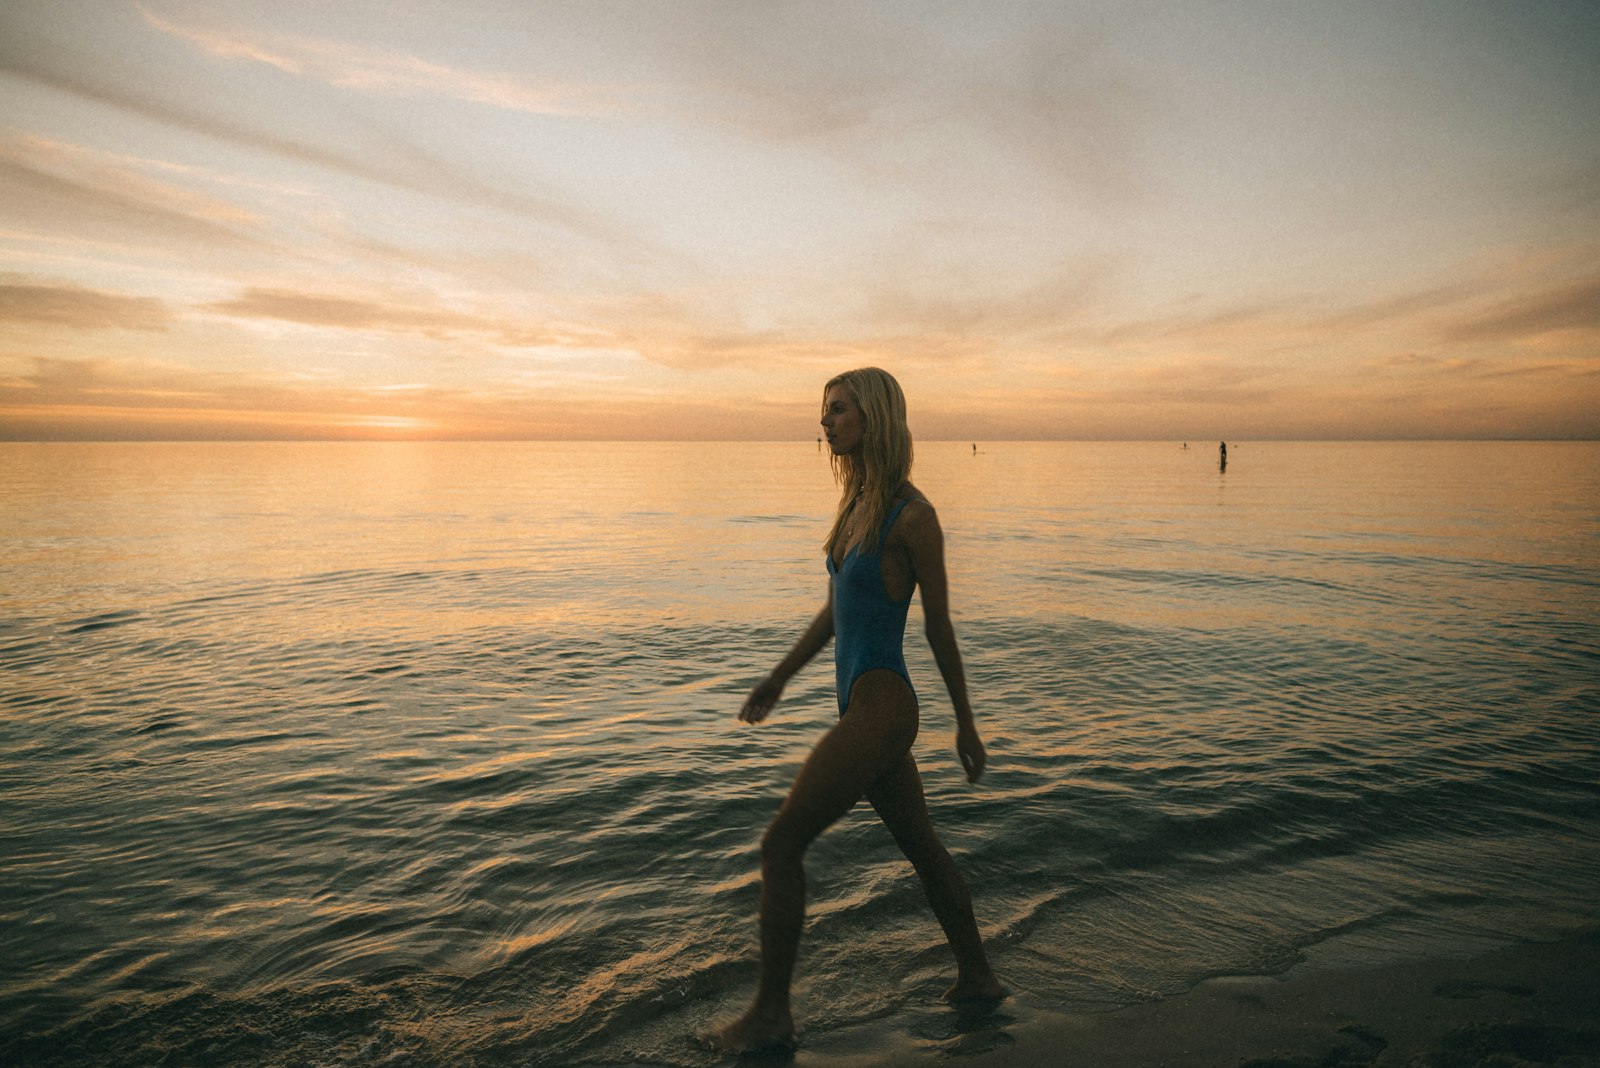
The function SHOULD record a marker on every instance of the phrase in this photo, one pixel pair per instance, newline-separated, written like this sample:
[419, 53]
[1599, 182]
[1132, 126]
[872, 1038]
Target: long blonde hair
[885, 461]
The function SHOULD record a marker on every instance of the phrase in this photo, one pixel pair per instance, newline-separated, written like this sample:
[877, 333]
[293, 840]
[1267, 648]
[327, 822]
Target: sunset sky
[661, 219]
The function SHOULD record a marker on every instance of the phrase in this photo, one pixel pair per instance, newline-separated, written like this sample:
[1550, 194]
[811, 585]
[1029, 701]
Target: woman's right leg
[900, 803]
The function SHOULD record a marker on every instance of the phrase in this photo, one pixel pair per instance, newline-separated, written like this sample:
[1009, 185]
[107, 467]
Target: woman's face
[841, 420]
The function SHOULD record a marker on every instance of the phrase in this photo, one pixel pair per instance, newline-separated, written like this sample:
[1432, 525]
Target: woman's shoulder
[916, 511]
[911, 498]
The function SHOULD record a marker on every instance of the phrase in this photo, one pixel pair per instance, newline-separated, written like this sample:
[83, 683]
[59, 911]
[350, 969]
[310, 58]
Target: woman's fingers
[973, 757]
[760, 702]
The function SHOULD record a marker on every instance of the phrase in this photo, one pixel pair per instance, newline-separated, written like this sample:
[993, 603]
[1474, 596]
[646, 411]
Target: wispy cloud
[153, 181]
[1046, 102]
[78, 399]
[398, 166]
[343, 313]
[390, 315]
[64, 201]
[1570, 306]
[80, 308]
[368, 69]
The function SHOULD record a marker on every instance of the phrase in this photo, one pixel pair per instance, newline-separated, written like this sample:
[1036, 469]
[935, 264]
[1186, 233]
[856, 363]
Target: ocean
[426, 753]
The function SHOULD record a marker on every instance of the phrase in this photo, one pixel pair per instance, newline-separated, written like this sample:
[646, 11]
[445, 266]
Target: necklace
[850, 523]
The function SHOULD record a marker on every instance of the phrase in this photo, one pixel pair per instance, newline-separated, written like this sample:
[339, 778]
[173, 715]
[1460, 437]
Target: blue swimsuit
[868, 628]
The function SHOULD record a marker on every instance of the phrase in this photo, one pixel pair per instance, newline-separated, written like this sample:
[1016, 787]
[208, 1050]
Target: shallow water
[365, 753]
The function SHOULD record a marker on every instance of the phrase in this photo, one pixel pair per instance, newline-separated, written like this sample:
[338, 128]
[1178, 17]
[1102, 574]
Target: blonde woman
[885, 543]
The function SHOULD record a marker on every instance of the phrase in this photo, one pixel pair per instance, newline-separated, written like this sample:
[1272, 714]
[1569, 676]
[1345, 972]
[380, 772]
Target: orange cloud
[352, 66]
[66, 203]
[389, 315]
[341, 312]
[69, 399]
[80, 309]
[1572, 306]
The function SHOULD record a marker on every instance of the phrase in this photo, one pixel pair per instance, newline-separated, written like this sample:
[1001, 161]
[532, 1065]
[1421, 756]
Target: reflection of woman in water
[885, 542]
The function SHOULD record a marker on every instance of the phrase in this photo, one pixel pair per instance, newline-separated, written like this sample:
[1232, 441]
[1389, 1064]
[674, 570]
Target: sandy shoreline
[1521, 1006]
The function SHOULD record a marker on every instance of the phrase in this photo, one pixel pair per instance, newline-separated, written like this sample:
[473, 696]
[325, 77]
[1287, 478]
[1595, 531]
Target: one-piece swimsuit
[868, 626]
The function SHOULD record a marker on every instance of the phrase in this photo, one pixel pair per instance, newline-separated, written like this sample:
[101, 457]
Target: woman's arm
[925, 542]
[768, 690]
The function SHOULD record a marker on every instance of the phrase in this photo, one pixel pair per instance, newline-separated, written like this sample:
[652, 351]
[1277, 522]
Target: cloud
[393, 315]
[135, 177]
[1063, 104]
[366, 69]
[1572, 306]
[398, 166]
[1423, 362]
[908, 96]
[1518, 302]
[962, 301]
[341, 313]
[102, 400]
[63, 203]
[665, 331]
[80, 308]
[56, 187]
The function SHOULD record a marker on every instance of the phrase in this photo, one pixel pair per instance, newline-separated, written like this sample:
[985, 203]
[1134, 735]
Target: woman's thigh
[898, 799]
[871, 739]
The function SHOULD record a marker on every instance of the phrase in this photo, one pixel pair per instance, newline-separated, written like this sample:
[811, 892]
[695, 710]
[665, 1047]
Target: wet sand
[1529, 1005]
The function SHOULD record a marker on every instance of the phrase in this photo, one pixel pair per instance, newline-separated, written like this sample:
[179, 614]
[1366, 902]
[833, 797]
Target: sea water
[393, 753]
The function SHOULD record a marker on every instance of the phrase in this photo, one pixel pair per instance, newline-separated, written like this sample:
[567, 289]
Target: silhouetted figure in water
[974, 448]
[1222, 462]
[885, 543]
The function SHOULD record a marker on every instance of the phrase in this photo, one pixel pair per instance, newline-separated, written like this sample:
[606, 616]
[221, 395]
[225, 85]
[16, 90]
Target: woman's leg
[899, 802]
[875, 732]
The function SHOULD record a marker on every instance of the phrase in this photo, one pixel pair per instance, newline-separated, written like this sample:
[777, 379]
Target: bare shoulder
[918, 522]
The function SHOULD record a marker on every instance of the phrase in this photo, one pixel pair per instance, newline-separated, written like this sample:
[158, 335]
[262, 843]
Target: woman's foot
[751, 1032]
[985, 988]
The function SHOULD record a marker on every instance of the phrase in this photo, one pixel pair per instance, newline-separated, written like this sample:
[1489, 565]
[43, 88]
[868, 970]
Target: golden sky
[664, 219]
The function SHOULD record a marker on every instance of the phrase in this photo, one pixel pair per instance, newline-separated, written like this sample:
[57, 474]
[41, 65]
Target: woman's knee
[781, 845]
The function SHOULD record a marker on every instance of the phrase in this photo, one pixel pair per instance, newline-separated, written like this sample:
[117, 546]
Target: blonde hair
[885, 460]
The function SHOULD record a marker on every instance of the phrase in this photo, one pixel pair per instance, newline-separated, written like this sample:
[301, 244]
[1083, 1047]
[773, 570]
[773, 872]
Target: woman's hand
[761, 699]
[970, 748]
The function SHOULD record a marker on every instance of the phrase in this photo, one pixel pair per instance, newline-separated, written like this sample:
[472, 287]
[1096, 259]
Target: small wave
[103, 621]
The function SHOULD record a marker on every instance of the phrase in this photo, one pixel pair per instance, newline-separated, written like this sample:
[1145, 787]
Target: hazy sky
[676, 219]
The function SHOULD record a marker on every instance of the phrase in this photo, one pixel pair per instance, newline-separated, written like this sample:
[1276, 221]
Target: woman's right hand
[761, 699]
[970, 748]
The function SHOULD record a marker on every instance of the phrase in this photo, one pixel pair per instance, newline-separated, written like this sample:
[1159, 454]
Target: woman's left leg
[873, 736]
[900, 803]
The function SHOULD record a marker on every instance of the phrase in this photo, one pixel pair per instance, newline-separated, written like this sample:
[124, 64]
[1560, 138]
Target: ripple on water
[494, 808]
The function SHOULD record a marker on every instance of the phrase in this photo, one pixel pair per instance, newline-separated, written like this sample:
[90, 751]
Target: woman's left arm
[925, 543]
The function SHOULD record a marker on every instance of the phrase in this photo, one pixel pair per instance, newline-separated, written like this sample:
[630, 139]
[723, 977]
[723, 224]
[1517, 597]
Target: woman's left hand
[970, 748]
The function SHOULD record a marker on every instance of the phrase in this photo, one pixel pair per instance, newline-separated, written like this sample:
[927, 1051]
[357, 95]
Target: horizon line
[307, 440]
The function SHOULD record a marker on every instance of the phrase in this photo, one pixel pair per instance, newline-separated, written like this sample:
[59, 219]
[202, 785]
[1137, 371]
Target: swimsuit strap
[888, 523]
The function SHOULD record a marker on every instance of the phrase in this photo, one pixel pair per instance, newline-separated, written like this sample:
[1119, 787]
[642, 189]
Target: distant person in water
[1222, 460]
[885, 543]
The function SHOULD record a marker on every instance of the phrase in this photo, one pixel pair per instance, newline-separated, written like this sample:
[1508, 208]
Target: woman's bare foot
[987, 988]
[751, 1032]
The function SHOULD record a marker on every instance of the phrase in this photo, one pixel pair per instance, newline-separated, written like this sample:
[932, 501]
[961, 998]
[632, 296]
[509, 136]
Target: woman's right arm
[768, 690]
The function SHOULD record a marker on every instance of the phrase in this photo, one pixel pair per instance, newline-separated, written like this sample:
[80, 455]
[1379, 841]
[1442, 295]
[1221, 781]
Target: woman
[884, 543]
